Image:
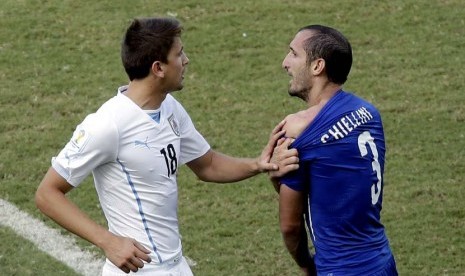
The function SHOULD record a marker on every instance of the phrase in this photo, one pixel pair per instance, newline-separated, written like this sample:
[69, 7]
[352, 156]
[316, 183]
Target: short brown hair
[331, 45]
[147, 40]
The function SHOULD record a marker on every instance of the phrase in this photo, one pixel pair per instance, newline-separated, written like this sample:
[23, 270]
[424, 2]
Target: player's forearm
[231, 169]
[297, 245]
[295, 239]
[59, 208]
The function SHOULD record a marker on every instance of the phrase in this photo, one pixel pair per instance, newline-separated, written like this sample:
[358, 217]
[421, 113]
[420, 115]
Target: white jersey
[134, 161]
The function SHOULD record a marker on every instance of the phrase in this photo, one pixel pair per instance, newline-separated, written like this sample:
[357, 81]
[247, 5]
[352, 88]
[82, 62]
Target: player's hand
[263, 161]
[286, 159]
[126, 253]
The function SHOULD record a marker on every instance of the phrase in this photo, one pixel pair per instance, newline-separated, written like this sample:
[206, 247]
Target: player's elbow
[204, 175]
[40, 198]
[44, 198]
[291, 236]
[290, 229]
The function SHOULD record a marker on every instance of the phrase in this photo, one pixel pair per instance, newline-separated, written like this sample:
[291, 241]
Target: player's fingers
[270, 167]
[290, 160]
[278, 149]
[280, 141]
[141, 255]
[284, 151]
[125, 269]
[131, 267]
[273, 140]
[290, 152]
[289, 168]
[142, 252]
[278, 127]
[277, 135]
[137, 262]
[140, 247]
[287, 142]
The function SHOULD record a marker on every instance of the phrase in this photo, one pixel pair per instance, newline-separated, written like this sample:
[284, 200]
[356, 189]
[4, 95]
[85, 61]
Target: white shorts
[179, 268]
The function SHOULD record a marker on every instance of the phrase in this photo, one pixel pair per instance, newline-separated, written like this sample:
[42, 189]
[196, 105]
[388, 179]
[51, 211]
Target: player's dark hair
[330, 45]
[147, 40]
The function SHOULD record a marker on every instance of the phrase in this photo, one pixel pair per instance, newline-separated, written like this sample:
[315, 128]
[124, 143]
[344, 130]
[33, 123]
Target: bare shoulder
[296, 123]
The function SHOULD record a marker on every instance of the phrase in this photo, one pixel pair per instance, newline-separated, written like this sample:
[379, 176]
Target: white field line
[49, 240]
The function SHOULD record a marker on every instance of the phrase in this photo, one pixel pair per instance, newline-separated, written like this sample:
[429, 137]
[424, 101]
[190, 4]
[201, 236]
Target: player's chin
[180, 87]
[299, 93]
[292, 91]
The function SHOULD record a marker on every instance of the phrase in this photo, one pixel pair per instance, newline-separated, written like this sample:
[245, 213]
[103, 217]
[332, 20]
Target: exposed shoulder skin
[286, 158]
[296, 123]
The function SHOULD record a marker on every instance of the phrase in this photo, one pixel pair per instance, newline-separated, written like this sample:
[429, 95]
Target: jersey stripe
[141, 212]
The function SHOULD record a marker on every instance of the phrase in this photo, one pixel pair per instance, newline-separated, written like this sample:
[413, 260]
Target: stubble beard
[299, 86]
[299, 93]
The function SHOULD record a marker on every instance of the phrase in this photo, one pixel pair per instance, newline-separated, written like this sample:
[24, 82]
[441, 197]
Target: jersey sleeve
[94, 142]
[193, 144]
[296, 180]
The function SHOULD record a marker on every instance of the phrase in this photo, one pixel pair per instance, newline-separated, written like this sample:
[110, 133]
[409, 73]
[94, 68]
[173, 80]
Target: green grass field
[59, 60]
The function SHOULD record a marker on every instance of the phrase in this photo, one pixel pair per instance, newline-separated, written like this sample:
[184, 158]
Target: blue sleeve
[296, 180]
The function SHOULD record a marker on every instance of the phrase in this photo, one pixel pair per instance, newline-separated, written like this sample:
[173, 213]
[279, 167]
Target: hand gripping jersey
[341, 168]
[134, 161]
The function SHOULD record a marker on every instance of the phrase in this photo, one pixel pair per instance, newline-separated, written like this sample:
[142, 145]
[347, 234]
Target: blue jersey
[341, 168]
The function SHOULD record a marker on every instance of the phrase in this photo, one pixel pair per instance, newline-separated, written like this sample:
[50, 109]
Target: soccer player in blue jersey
[337, 190]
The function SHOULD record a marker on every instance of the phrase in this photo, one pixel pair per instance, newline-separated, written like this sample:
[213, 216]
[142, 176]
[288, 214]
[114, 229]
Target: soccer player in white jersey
[133, 145]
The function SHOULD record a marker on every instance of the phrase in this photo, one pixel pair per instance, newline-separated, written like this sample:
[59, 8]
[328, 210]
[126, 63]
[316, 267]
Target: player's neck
[321, 93]
[146, 94]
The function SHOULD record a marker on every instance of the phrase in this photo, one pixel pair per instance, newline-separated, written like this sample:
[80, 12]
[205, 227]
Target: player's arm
[51, 199]
[217, 167]
[292, 226]
[286, 158]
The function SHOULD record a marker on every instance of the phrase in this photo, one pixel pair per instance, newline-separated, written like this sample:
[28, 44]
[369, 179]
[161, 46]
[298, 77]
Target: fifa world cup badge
[80, 138]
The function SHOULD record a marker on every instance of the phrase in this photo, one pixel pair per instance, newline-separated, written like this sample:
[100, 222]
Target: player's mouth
[292, 78]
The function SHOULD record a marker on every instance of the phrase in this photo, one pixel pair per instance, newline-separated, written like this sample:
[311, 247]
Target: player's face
[176, 66]
[295, 64]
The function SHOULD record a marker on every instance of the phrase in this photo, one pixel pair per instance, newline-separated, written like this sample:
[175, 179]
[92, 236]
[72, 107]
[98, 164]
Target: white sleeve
[193, 144]
[94, 142]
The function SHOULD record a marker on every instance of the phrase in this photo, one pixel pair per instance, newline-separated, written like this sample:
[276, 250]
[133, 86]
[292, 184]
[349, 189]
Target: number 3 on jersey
[170, 159]
[364, 139]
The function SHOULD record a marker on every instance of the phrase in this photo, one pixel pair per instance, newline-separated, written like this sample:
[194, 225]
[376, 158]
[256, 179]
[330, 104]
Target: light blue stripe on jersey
[141, 212]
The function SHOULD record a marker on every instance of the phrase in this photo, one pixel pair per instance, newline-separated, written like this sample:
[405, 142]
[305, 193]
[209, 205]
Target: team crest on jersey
[174, 125]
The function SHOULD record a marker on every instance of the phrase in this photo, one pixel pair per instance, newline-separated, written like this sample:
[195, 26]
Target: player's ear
[158, 69]
[318, 66]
